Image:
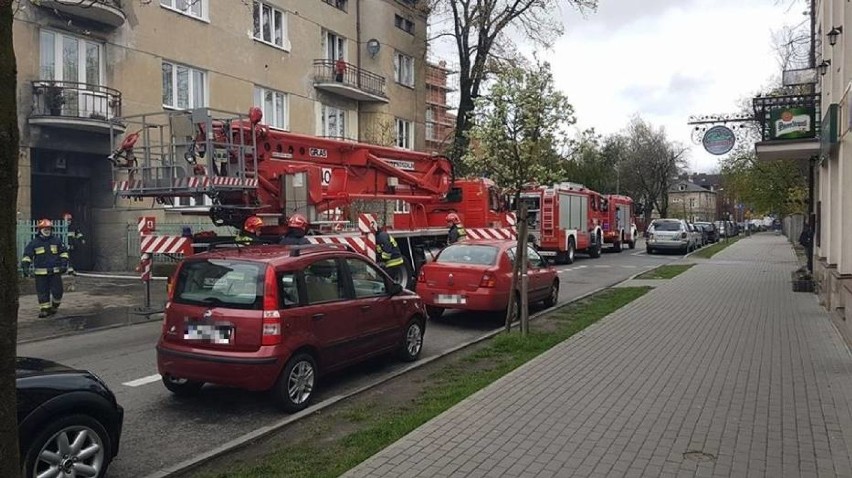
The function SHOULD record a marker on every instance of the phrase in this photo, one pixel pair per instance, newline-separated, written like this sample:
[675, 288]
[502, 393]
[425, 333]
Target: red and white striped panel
[511, 219]
[126, 185]
[192, 182]
[227, 181]
[492, 233]
[358, 243]
[364, 221]
[165, 244]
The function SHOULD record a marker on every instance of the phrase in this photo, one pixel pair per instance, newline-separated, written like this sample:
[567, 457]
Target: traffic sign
[147, 225]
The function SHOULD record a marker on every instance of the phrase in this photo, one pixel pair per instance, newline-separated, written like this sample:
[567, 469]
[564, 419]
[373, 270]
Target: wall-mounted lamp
[373, 47]
[833, 34]
[823, 67]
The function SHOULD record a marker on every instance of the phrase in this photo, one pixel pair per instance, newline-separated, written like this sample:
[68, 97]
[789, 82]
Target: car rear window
[220, 283]
[666, 226]
[469, 254]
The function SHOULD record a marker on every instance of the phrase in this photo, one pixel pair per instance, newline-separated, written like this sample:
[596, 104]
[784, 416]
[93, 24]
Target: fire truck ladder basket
[184, 153]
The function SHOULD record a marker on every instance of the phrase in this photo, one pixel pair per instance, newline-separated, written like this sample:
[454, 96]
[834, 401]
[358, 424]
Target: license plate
[217, 334]
[450, 299]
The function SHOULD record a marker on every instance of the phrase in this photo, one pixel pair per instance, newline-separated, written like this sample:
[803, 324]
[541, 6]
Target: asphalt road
[161, 430]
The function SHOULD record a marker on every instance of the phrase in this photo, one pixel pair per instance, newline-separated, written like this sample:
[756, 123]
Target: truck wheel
[405, 275]
[595, 250]
[632, 242]
[567, 257]
[616, 246]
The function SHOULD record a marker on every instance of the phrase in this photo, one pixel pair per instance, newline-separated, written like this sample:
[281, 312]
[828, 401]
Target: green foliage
[666, 272]
[518, 129]
[711, 251]
[592, 161]
[767, 187]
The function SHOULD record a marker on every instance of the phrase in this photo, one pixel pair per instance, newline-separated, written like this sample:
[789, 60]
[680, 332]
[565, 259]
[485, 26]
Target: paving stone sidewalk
[723, 371]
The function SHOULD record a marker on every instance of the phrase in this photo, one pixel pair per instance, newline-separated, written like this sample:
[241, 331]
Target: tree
[593, 159]
[767, 187]
[518, 130]
[482, 32]
[9, 136]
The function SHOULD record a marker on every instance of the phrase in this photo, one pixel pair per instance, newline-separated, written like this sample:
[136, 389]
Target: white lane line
[142, 381]
[603, 266]
[641, 253]
[629, 267]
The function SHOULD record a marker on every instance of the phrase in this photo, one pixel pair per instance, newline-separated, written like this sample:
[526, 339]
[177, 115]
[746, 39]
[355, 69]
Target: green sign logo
[792, 123]
[719, 140]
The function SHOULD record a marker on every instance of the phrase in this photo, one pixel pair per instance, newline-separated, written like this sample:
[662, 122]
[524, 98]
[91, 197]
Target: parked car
[477, 275]
[277, 318]
[69, 423]
[710, 230]
[698, 233]
[670, 234]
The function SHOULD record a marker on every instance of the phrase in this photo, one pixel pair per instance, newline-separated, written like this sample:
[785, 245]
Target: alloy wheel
[72, 451]
[414, 339]
[300, 383]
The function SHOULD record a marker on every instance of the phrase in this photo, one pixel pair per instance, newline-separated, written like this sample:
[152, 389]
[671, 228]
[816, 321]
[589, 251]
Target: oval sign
[719, 140]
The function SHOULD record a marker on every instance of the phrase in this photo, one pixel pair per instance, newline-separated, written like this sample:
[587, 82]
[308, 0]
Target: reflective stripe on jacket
[387, 250]
[47, 255]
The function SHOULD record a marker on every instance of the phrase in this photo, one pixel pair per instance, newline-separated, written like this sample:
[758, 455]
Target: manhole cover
[699, 456]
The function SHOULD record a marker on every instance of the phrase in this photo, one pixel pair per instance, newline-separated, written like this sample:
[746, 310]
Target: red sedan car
[477, 275]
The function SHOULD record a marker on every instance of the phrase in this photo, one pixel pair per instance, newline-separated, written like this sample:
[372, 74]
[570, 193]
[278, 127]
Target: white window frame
[265, 10]
[341, 45]
[191, 94]
[279, 99]
[203, 6]
[58, 70]
[403, 69]
[404, 134]
[401, 206]
[341, 115]
[430, 124]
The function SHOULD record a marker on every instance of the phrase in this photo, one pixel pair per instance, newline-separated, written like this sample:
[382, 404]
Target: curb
[115, 276]
[88, 331]
[244, 440]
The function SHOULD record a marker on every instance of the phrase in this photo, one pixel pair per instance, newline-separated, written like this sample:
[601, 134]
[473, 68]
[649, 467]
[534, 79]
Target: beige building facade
[692, 202]
[350, 69]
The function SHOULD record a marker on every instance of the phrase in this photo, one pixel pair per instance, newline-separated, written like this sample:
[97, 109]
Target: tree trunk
[525, 306]
[516, 267]
[9, 460]
[460, 140]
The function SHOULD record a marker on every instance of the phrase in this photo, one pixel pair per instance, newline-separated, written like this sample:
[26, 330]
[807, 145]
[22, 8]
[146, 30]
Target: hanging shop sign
[719, 140]
[792, 123]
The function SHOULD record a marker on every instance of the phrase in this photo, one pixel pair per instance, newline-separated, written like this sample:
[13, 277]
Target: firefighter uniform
[47, 257]
[75, 241]
[294, 237]
[388, 254]
[456, 234]
[246, 238]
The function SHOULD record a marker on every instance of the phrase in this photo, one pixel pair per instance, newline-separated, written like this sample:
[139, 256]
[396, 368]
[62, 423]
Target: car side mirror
[395, 289]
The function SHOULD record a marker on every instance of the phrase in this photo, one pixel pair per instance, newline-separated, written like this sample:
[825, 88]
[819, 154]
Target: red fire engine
[566, 218]
[618, 227]
[246, 168]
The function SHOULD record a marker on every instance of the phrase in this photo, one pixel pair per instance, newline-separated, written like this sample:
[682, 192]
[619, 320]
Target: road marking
[640, 253]
[142, 381]
[603, 266]
[629, 267]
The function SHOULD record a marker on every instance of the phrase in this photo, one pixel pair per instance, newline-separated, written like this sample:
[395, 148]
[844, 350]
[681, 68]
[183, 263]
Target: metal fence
[26, 231]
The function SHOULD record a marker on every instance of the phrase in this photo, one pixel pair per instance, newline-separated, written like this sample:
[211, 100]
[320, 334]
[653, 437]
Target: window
[469, 254]
[334, 46]
[193, 8]
[401, 207]
[430, 124]
[332, 122]
[404, 24]
[220, 283]
[404, 134]
[67, 58]
[534, 260]
[403, 69]
[275, 107]
[183, 87]
[289, 289]
[366, 279]
[270, 26]
[322, 282]
[341, 4]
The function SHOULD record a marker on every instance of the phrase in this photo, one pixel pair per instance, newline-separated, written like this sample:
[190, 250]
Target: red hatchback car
[275, 318]
[477, 275]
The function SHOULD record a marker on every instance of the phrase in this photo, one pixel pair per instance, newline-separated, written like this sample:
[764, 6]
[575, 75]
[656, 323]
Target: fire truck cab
[618, 227]
[565, 218]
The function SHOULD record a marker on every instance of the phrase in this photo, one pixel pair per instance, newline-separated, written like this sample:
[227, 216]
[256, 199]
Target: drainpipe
[358, 42]
[812, 161]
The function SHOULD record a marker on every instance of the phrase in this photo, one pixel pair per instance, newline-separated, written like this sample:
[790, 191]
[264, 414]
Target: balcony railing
[330, 72]
[67, 99]
[791, 117]
[105, 12]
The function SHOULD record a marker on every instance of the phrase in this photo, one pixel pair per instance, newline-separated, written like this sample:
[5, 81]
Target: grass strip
[666, 272]
[711, 251]
[326, 453]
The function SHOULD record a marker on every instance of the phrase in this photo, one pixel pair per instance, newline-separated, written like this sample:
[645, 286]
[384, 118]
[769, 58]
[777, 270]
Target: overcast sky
[666, 60]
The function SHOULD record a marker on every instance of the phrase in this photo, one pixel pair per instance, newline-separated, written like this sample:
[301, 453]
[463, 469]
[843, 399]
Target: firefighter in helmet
[250, 233]
[47, 258]
[387, 251]
[297, 227]
[456, 232]
[75, 240]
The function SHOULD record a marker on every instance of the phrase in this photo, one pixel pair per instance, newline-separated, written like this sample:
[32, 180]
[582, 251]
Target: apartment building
[352, 69]
[440, 123]
[692, 202]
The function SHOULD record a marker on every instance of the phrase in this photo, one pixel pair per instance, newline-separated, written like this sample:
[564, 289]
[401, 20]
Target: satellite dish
[373, 47]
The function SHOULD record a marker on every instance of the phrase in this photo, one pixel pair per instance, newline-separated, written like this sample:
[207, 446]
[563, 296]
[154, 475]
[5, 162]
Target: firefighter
[46, 257]
[456, 232]
[387, 252]
[297, 226]
[75, 240]
[250, 233]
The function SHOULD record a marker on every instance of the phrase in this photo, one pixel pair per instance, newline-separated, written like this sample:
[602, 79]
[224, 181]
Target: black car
[68, 420]
[711, 231]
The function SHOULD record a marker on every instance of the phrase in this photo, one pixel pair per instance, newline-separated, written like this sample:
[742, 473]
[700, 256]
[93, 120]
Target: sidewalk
[88, 303]
[722, 371]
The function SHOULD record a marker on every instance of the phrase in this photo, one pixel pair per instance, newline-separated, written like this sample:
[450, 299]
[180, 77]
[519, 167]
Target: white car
[670, 235]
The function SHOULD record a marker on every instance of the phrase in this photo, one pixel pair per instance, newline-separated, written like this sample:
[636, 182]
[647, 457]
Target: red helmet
[253, 224]
[67, 216]
[453, 218]
[297, 221]
[44, 224]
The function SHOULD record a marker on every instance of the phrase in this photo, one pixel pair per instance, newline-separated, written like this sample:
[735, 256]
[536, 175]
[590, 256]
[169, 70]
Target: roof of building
[687, 186]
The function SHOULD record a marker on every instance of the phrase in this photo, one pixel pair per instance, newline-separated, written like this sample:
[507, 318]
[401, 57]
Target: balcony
[346, 79]
[104, 12]
[78, 106]
[789, 126]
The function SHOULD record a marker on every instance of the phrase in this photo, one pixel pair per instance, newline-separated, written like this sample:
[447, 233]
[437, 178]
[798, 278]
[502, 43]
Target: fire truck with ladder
[565, 218]
[246, 168]
[619, 228]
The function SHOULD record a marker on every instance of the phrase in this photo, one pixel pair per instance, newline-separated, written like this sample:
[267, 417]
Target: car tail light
[488, 280]
[271, 316]
[421, 277]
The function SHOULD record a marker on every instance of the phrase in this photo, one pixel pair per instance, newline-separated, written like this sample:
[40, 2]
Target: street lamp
[833, 34]
[823, 67]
